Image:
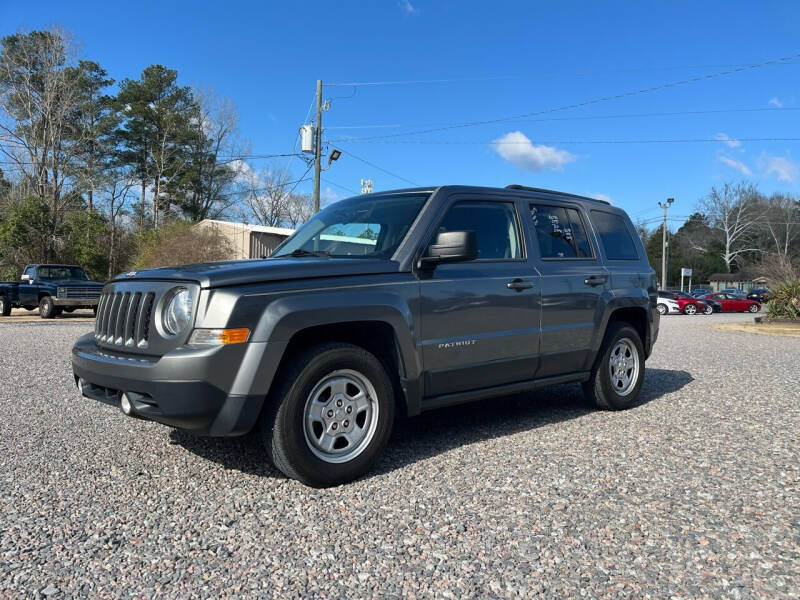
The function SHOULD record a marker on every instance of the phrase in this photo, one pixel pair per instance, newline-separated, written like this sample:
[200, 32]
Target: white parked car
[667, 305]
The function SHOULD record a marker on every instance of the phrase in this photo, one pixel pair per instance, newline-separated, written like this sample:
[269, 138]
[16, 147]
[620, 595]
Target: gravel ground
[694, 493]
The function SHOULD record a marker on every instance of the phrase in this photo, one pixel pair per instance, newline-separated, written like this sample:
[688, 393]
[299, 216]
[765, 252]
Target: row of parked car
[704, 301]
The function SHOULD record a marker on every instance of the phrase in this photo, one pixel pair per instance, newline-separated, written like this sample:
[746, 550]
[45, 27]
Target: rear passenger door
[573, 282]
[479, 320]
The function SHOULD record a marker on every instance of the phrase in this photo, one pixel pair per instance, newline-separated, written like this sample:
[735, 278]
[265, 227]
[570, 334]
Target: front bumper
[75, 302]
[216, 391]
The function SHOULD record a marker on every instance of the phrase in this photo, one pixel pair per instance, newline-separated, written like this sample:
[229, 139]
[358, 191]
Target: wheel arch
[379, 322]
[633, 312]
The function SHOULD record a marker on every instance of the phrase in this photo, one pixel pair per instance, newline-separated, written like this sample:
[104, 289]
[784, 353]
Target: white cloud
[328, 196]
[517, 149]
[600, 196]
[735, 164]
[245, 174]
[779, 167]
[729, 141]
[407, 7]
[775, 102]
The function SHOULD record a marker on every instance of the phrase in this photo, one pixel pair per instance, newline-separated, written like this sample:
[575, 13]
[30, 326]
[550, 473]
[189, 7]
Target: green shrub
[180, 243]
[785, 301]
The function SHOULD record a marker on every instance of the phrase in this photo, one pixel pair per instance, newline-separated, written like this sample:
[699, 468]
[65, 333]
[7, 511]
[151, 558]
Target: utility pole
[318, 147]
[664, 247]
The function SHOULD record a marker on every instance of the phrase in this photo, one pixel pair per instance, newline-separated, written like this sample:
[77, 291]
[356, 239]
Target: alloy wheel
[623, 367]
[340, 416]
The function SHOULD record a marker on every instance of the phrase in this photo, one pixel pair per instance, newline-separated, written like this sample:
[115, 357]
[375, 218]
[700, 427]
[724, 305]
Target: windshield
[360, 227]
[59, 272]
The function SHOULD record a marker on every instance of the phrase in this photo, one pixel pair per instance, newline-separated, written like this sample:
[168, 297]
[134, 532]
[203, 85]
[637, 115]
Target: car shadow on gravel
[441, 430]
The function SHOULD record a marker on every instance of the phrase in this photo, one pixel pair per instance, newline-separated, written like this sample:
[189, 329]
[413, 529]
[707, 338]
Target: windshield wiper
[303, 252]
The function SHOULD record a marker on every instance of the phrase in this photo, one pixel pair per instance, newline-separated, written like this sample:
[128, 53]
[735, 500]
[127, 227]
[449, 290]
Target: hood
[235, 272]
[74, 283]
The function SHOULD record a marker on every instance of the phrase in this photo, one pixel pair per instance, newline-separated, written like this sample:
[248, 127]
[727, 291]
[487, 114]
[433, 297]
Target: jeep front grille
[123, 319]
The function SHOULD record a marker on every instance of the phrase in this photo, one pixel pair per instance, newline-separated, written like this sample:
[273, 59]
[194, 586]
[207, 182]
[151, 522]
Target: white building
[248, 241]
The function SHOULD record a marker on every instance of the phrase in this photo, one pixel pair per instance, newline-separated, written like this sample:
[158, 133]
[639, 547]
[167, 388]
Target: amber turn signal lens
[218, 337]
[234, 336]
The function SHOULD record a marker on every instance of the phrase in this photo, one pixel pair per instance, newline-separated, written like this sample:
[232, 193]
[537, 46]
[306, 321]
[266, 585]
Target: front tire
[709, 310]
[330, 415]
[5, 307]
[662, 309]
[618, 373]
[47, 310]
[753, 308]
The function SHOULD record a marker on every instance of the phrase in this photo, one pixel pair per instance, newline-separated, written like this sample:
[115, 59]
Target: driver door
[479, 320]
[29, 290]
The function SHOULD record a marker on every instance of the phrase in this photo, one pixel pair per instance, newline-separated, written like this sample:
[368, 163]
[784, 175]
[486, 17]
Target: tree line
[100, 172]
[90, 167]
[734, 227]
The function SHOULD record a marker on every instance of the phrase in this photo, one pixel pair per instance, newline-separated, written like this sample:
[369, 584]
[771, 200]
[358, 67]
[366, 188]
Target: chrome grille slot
[99, 317]
[143, 336]
[122, 313]
[131, 318]
[111, 321]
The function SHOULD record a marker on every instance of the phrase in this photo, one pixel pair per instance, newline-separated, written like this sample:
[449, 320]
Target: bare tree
[782, 224]
[213, 186]
[266, 197]
[733, 211]
[38, 98]
[299, 209]
[118, 191]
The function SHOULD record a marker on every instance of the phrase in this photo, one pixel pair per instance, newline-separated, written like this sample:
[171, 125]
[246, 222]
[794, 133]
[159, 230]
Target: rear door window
[559, 232]
[615, 236]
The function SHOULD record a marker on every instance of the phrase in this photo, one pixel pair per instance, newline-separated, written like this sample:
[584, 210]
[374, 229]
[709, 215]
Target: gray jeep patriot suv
[394, 302]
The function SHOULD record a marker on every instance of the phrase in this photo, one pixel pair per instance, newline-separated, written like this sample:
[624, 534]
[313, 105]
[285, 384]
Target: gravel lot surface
[694, 493]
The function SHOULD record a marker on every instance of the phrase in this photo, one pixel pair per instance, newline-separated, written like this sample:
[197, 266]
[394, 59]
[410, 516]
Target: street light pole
[318, 147]
[665, 206]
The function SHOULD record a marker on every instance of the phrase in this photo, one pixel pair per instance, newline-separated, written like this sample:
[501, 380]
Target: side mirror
[451, 247]
[26, 278]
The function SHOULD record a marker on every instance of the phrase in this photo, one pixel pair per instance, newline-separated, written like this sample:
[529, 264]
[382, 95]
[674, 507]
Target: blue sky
[509, 58]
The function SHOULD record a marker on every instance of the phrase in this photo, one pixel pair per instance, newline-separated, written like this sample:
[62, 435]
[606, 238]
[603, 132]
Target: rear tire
[5, 307]
[690, 309]
[753, 308]
[329, 415]
[709, 310]
[47, 310]
[618, 374]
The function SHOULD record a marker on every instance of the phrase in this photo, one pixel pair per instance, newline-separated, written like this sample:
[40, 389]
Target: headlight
[178, 315]
[61, 291]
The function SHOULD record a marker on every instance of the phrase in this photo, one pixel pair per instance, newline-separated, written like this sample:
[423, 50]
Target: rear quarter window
[615, 236]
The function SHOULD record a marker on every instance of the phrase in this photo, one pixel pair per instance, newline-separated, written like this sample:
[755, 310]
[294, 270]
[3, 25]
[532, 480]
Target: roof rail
[516, 186]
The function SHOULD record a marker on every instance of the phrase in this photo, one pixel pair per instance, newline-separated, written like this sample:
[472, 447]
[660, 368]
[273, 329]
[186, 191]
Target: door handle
[595, 280]
[519, 285]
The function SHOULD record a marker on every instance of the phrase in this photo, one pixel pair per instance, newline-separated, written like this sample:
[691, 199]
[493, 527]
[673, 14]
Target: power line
[646, 90]
[347, 189]
[551, 74]
[374, 166]
[581, 118]
[567, 142]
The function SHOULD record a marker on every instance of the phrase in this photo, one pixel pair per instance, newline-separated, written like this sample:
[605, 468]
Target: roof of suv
[513, 186]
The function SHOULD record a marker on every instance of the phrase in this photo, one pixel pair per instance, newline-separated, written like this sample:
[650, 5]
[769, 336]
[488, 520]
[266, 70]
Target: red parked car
[733, 302]
[688, 304]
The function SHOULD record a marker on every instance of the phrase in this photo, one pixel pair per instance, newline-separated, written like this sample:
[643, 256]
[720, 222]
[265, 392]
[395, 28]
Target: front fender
[285, 316]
